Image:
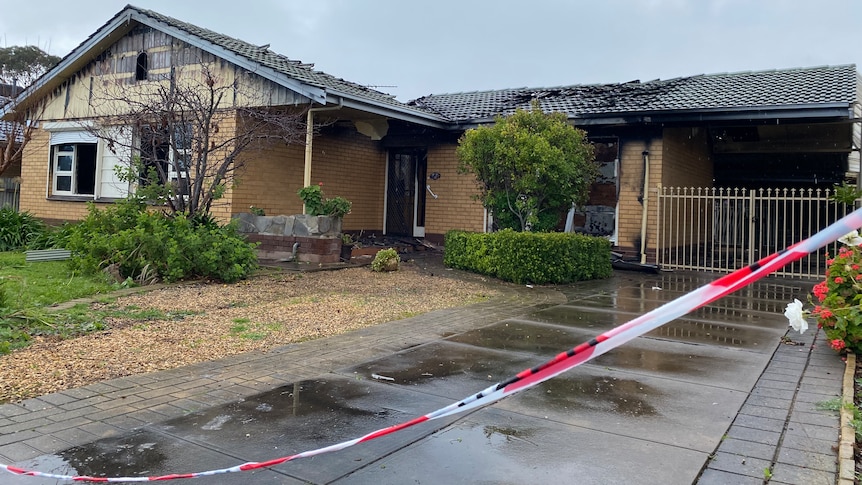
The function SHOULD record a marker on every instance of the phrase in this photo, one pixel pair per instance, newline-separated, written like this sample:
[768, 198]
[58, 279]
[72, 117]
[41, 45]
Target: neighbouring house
[793, 128]
[10, 133]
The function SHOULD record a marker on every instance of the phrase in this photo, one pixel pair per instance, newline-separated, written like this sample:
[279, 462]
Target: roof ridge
[783, 70]
[244, 46]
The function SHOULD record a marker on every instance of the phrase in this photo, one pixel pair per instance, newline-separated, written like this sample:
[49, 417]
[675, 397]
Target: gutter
[837, 110]
[309, 137]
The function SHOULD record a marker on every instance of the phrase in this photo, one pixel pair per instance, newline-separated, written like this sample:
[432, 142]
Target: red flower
[830, 261]
[858, 277]
[855, 267]
[820, 290]
[825, 313]
[839, 280]
[837, 344]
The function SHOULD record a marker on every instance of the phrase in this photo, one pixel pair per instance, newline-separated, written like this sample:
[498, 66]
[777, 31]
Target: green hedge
[527, 257]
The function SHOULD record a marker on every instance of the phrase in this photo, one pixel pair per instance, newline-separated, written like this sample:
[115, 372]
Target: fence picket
[723, 228]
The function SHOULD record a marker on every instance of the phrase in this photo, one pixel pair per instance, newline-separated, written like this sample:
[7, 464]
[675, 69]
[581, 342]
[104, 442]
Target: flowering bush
[837, 300]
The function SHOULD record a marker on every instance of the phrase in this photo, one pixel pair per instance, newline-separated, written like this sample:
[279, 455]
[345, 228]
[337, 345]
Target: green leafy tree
[530, 167]
[20, 65]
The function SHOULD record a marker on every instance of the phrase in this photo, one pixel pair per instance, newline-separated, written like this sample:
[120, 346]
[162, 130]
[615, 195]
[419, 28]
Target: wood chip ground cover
[210, 321]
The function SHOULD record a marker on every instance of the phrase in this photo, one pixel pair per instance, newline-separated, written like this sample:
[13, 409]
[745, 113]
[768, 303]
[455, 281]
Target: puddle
[627, 397]
[573, 316]
[137, 454]
[443, 361]
[714, 333]
[666, 362]
[336, 398]
[521, 336]
[516, 334]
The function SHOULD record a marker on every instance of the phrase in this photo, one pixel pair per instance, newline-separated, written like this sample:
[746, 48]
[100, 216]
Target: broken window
[165, 155]
[141, 67]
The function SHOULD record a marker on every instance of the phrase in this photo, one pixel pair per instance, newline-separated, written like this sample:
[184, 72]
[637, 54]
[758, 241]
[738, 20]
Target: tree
[182, 140]
[19, 67]
[530, 167]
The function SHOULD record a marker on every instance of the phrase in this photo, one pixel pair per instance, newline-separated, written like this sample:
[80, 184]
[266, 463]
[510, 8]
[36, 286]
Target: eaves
[390, 111]
[825, 111]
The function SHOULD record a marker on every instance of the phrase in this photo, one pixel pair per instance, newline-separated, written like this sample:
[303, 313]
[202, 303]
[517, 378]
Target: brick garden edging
[846, 463]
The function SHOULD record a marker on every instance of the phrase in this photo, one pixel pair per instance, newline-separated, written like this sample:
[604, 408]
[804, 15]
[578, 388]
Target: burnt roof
[826, 85]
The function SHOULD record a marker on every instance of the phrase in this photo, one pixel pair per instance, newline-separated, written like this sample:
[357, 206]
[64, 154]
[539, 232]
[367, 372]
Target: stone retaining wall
[319, 237]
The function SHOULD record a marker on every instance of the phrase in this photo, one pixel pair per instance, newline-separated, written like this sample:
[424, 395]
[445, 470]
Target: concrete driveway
[653, 411]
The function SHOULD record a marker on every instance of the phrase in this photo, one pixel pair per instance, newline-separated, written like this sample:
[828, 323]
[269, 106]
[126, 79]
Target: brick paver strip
[780, 425]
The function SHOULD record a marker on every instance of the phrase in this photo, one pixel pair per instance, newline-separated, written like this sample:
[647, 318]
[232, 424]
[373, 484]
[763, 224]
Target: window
[141, 67]
[74, 166]
[167, 151]
[83, 166]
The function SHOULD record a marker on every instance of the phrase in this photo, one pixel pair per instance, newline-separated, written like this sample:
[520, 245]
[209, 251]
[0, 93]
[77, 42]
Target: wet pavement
[715, 397]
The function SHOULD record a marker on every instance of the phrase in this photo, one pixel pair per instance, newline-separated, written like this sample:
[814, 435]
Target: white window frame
[57, 173]
[75, 134]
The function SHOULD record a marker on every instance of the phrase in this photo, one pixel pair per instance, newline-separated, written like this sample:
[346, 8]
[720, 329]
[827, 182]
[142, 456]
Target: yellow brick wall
[686, 156]
[269, 180]
[353, 166]
[454, 208]
[687, 163]
[348, 164]
[631, 180]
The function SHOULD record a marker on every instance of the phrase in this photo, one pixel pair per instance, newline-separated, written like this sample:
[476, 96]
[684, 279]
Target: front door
[405, 193]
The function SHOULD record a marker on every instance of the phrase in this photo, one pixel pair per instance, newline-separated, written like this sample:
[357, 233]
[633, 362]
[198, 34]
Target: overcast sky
[445, 46]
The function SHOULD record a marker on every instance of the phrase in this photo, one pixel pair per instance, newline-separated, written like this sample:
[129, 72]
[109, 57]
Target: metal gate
[723, 229]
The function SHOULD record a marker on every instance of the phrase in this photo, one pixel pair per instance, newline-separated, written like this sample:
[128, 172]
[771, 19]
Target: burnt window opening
[165, 155]
[141, 67]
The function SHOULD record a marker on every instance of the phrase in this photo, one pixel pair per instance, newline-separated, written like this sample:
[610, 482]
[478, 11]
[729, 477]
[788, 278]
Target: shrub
[386, 260]
[523, 257]
[140, 242]
[19, 229]
[317, 205]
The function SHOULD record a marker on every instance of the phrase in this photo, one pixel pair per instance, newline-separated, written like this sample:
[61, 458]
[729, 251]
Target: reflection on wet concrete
[323, 407]
[575, 393]
[133, 455]
[634, 307]
[529, 450]
[527, 336]
[451, 369]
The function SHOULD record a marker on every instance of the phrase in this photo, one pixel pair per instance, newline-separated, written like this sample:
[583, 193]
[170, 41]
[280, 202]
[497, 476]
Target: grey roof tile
[262, 55]
[805, 86]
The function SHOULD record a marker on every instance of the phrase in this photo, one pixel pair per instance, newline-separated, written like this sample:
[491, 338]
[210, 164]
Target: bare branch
[195, 137]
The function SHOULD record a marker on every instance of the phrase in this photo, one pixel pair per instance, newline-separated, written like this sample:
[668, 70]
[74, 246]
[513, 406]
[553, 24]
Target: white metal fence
[723, 229]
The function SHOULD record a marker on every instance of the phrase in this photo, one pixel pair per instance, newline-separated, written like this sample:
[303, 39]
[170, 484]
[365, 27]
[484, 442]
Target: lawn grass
[42, 283]
[27, 287]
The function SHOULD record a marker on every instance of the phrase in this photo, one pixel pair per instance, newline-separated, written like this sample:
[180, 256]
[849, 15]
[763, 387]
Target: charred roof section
[814, 92]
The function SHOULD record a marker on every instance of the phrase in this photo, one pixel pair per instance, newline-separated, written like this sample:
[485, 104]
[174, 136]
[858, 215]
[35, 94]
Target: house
[396, 161]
